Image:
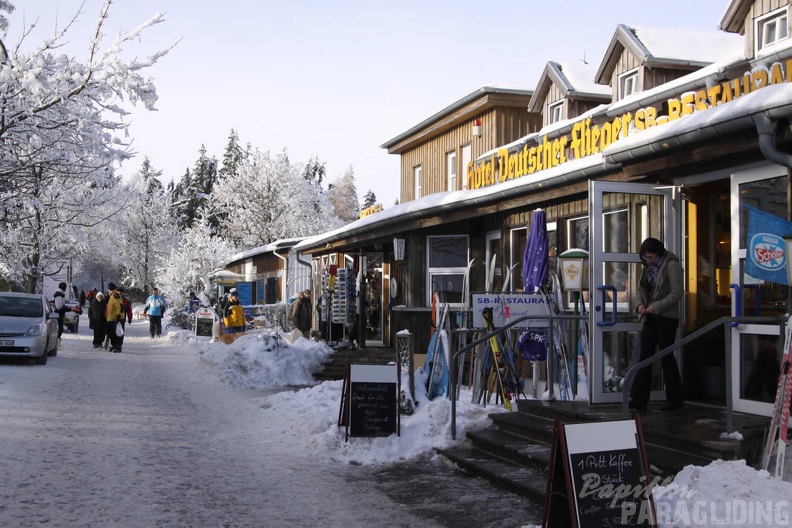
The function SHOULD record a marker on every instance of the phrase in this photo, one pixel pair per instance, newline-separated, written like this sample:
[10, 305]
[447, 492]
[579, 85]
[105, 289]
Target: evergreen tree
[314, 170]
[232, 157]
[370, 199]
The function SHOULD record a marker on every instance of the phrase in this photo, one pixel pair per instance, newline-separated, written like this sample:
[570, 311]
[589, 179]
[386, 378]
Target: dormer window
[628, 83]
[771, 28]
[555, 112]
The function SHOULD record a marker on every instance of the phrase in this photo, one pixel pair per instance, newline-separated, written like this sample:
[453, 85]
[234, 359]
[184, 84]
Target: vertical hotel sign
[587, 138]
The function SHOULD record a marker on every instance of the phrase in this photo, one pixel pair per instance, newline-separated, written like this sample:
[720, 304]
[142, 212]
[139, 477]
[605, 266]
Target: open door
[621, 216]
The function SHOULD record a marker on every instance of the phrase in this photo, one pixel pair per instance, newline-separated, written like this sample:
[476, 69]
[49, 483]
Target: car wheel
[42, 360]
[53, 352]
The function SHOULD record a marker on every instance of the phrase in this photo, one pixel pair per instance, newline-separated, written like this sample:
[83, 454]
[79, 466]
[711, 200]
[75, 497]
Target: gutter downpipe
[285, 275]
[310, 273]
[766, 128]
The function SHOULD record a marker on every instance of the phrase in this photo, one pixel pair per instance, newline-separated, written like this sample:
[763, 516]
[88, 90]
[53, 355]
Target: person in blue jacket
[154, 310]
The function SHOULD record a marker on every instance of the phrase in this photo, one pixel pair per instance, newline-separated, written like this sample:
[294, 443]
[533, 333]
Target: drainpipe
[285, 275]
[310, 274]
[766, 128]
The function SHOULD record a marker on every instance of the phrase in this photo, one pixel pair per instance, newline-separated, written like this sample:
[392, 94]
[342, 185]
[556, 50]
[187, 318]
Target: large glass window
[447, 260]
[519, 239]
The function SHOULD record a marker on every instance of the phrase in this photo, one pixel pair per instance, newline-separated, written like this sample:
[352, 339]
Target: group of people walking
[109, 313]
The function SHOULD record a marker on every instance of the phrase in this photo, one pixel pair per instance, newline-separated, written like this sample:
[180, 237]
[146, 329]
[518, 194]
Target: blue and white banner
[765, 255]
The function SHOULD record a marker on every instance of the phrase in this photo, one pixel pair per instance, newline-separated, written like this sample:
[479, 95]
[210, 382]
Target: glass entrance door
[621, 216]
[756, 348]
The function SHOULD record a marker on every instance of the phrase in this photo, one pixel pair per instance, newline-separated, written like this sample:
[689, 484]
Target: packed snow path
[149, 438]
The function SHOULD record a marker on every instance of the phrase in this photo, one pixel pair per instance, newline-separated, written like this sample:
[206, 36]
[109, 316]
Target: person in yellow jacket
[233, 317]
[114, 313]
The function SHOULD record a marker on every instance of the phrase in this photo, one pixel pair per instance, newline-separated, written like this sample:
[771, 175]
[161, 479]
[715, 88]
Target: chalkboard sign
[598, 476]
[370, 400]
[204, 321]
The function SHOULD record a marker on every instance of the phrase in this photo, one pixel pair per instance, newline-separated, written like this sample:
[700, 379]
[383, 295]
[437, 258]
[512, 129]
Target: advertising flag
[765, 255]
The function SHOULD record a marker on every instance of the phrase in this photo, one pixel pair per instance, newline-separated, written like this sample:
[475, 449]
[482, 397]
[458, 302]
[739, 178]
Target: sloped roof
[655, 47]
[733, 20]
[470, 105]
[576, 81]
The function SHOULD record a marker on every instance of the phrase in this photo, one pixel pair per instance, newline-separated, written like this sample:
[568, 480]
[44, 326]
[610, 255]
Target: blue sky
[338, 79]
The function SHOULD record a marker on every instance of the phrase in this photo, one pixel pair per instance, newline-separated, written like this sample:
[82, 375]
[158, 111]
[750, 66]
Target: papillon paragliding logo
[768, 251]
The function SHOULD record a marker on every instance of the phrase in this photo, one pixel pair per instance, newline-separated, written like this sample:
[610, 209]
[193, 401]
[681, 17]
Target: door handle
[737, 308]
[601, 307]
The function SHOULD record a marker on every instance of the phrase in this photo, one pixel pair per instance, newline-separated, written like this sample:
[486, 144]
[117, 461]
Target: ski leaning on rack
[779, 422]
[437, 357]
[495, 348]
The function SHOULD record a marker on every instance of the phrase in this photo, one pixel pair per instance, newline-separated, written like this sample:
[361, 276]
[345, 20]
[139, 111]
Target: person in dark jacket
[96, 319]
[59, 300]
[302, 313]
[661, 290]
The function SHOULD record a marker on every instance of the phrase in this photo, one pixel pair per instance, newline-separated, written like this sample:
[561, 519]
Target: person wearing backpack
[59, 299]
[155, 309]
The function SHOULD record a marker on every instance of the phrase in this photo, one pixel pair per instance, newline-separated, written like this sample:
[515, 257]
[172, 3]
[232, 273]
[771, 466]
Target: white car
[28, 326]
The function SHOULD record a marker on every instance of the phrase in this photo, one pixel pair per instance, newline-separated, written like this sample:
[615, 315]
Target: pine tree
[232, 156]
[314, 170]
[370, 199]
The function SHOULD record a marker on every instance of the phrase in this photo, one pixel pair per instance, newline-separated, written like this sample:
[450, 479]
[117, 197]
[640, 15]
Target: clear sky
[337, 79]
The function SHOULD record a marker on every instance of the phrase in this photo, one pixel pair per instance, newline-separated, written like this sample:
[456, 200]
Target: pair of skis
[779, 422]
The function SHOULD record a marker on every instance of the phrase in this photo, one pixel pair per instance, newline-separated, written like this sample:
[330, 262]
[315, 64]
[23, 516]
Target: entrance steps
[513, 453]
[334, 368]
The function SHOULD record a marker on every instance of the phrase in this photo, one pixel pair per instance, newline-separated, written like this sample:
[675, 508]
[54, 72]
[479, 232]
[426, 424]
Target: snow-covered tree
[314, 170]
[270, 199]
[233, 155]
[193, 191]
[369, 199]
[59, 140]
[193, 258]
[343, 197]
[147, 230]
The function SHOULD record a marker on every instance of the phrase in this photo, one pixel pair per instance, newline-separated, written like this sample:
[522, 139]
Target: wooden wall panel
[499, 125]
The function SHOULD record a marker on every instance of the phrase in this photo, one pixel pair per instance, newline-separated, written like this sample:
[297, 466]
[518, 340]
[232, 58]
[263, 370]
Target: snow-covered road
[150, 437]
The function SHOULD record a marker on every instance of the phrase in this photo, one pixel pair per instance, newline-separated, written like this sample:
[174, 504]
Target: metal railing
[728, 323]
[454, 361]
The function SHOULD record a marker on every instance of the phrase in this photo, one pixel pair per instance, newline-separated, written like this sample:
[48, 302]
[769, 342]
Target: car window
[20, 307]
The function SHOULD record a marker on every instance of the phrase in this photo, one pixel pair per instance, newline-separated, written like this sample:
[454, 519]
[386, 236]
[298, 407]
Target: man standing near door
[661, 289]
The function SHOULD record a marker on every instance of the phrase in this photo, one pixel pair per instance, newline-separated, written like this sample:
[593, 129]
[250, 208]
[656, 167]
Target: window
[447, 260]
[466, 157]
[418, 177]
[451, 170]
[628, 83]
[555, 112]
[771, 28]
[519, 239]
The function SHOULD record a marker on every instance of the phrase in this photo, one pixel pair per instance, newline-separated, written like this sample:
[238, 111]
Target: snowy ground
[174, 432]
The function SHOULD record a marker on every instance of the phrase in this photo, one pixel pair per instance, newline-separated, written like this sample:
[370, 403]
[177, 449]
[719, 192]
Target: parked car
[28, 326]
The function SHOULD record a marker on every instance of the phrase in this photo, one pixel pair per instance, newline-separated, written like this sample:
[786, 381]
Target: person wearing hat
[302, 313]
[155, 309]
[233, 316]
[96, 318]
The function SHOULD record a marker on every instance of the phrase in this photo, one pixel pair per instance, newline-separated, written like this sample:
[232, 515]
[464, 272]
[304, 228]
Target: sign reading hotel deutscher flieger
[588, 138]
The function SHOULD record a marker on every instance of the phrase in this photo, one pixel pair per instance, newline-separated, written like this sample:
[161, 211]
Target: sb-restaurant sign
[508, 307]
